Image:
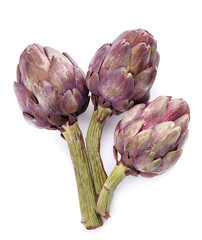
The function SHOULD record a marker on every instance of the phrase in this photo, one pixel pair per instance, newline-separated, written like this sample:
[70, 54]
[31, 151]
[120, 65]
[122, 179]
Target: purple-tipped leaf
[50, 87]
[152, 136]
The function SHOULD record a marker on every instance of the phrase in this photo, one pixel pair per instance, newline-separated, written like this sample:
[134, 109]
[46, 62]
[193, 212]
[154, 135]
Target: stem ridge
[74, 138]
[116, 176]
[99, 117]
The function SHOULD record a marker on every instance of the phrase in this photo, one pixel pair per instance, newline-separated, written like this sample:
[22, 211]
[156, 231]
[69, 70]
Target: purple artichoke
[51, 91]
[50, 87]
[149, 139]
[122, 73]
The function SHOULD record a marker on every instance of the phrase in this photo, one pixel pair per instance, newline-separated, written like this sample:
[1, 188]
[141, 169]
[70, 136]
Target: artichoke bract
[149, 140]
[120, 75]
[51, 91]
[50, 87]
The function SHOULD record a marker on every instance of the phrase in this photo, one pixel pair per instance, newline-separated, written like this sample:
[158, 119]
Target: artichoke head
[50, 88]
[150, 138]
[122, 73]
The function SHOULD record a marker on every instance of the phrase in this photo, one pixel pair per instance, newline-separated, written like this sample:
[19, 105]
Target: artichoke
[120, 75]
[149, 140]
[51, 91]
[50, 87]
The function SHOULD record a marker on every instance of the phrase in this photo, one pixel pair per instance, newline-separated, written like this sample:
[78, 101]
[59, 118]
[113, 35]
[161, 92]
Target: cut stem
[99, 117]
[74, 138]
[114, 179]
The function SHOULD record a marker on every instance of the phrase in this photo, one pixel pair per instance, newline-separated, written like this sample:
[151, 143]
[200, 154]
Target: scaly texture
[51, 91]
[149, 140]
[50, 87]
[120, 75]
[75, 142]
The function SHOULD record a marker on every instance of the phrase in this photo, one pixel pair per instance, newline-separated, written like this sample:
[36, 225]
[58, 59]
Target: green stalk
[74, 138]
[114, 179]
[99, 117]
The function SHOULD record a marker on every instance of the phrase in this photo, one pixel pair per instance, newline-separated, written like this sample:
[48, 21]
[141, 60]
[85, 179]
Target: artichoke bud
[50, 88]
[152, 135]
[122, 73]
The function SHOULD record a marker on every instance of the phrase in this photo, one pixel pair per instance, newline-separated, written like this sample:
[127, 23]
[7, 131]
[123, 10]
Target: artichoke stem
[74, 138]
[99, 117]
[114, 179]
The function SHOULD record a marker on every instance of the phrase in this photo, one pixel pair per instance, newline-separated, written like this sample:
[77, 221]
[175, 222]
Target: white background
[38, 196]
